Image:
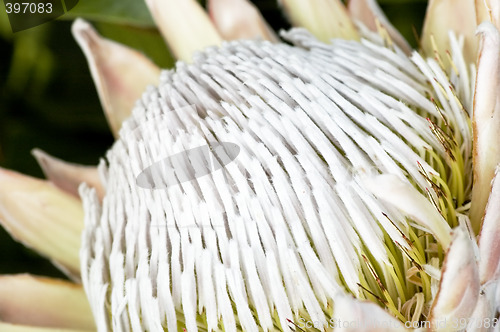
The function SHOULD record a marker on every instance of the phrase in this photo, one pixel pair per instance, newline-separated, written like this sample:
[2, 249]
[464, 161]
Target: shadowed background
[48, 99]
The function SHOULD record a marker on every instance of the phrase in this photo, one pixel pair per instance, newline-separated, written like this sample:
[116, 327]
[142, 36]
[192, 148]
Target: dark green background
[48, 99]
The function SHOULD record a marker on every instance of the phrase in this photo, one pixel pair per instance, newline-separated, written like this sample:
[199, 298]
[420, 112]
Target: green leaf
[130, 12]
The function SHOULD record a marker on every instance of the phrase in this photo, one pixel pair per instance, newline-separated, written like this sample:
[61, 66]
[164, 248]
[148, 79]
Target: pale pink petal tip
[120, 73]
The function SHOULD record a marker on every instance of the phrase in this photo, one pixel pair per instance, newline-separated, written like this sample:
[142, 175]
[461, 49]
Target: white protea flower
[348, 179]
[266, 186]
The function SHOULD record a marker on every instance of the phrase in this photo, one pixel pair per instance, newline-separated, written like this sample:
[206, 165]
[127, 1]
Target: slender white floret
[236, 195]
[406, 198]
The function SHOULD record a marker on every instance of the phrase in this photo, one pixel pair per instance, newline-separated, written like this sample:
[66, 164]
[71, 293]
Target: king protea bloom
[340, 180]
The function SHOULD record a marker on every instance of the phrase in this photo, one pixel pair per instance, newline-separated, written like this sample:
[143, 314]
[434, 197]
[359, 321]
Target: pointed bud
[239, 19]
[489, 240]
[485, 120]
[459, 285]
[185, 26]
[68, 176]
[443, 16]
[369, 13]
[120, 73]
[44, 302]
[363, 316]
[42, 217]
[326, 19]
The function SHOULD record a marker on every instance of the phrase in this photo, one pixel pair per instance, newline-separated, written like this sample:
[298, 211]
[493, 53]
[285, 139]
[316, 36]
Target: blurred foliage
[129, 12]
[48, 99]
[147, 40]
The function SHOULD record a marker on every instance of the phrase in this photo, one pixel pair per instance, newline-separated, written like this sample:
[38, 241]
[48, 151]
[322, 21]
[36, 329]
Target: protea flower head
[338, 180]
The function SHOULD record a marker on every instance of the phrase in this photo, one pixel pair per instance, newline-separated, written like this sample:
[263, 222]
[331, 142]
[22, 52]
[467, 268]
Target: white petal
[354, 315]
[184, 25]
[489, 238]
[239, 19]
[486, 120]
[483, 318]
[459, 286]
[404, 197]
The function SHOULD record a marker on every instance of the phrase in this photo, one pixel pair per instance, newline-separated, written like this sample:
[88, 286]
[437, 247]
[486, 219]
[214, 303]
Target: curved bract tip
[68, 176]
[30, 303]
[323, 18]
[185, 26]
[120, 73]
[42, 217]
[239, 19]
